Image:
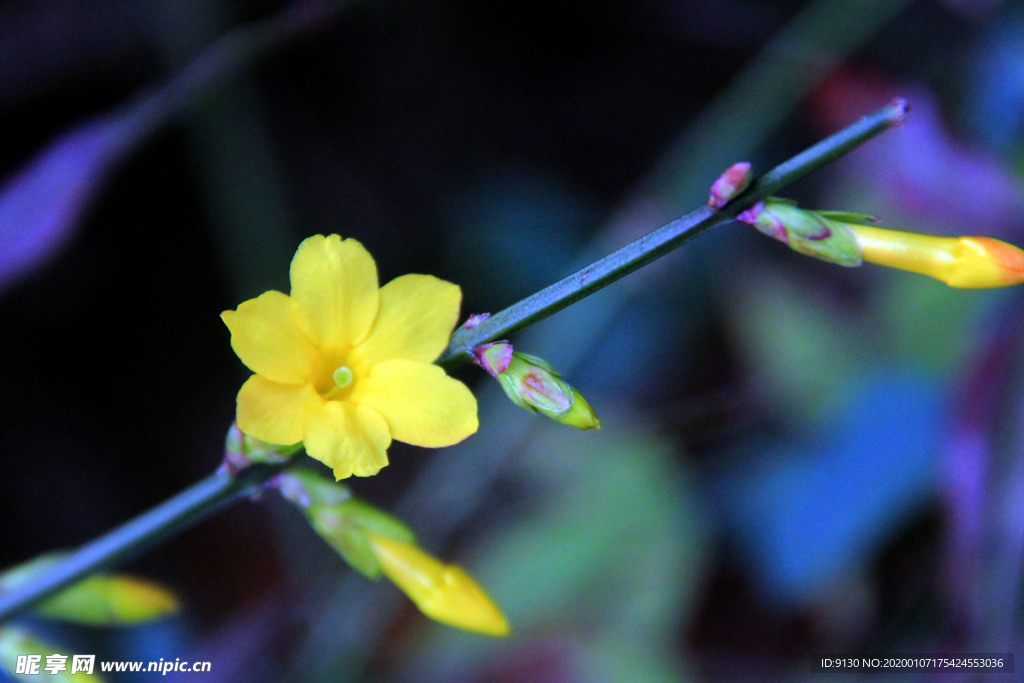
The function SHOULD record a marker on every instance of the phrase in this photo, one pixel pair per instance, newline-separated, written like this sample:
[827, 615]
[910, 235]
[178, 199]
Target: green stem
[221, 487]
[166, 519]
[637, 254]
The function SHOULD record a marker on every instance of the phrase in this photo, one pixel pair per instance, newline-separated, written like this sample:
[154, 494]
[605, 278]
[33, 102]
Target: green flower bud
[342, 520]
[375, 543]
[242, 450]
[494, 357]
[531, 383]
[806, 232]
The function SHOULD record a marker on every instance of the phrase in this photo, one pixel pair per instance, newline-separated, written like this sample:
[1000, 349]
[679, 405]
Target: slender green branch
[651, 246]
[170, 517]
[220, 488]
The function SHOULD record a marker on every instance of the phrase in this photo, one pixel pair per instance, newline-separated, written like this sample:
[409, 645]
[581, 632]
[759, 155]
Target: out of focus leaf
[41, 205]
[995, 100]
[102, 600]
[612, 554]
[99, 599]
[930, 324]
[15, 641]
[807, 513]
[797, 350]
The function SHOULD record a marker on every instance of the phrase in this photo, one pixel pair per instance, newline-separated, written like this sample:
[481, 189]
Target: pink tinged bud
[750, 215]
[806, 232]
[474, 320]
[242, 450]
[531, 383]
[735, 179]
[765, 221]
[494, 357]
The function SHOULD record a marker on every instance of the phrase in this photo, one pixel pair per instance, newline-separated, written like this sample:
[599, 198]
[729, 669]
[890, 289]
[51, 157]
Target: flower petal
[334, 282]
[422, 405]
[350, 439]
[266, 337]
[274, 412]
[415, 321]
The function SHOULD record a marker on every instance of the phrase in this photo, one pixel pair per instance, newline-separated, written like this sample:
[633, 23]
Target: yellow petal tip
[445, 593]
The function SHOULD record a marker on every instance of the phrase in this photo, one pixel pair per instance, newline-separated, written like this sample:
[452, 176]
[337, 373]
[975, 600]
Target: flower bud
[374, 542]
[474, 320]
[806, 232]
[494, 357]
[242, 450]
[843, 238]
[339, 518]
[735, 179]
[966, 262]
[531, 383]
[442, 592]
[98, 599]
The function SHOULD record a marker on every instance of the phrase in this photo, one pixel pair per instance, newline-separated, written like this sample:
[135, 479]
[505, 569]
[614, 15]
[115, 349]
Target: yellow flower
[443, 592]
[968, 262]
[345, 367]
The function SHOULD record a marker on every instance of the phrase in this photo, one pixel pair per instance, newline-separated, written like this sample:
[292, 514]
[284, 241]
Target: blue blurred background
[796, 458]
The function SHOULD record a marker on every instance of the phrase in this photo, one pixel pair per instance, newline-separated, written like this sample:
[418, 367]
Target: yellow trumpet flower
[842, 237]
[443, 592]
[967, 262]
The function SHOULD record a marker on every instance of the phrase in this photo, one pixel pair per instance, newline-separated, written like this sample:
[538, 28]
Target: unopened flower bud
[474, 320]
[98, 599]
[494, 357]
[339, 518]
[242, 450]
[443, 592]
[531, 383]
[967, 262]
[847, 239]
[806, 232]
[733, 181]
[374, 542]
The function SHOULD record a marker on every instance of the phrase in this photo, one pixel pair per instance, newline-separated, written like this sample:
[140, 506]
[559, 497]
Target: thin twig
[219, 489]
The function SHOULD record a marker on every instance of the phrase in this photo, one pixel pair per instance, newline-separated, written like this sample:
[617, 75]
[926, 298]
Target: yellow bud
[103, 599]
[442, 592]
[580, 415]
[98, 599]
[966, 262]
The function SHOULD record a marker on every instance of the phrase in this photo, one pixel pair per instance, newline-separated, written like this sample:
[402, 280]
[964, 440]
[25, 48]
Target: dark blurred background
[796, 458]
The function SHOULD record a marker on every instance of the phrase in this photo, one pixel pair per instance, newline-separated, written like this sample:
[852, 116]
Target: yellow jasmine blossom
[344, 366]
[968, 262]
[443, 592]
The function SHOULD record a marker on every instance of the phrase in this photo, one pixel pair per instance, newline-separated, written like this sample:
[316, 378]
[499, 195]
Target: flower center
[342, 377]
[342, 380]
